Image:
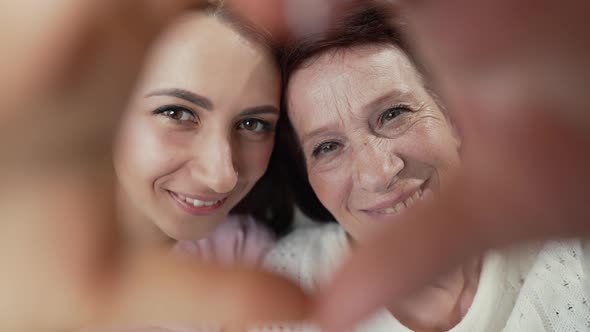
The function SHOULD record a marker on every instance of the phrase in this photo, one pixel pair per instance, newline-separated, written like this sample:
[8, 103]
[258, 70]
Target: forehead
[346, 80]
[203, 54]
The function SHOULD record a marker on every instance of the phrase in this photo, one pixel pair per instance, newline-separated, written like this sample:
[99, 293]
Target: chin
[191, 230]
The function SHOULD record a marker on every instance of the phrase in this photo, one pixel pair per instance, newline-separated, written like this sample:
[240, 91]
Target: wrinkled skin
[55, 174]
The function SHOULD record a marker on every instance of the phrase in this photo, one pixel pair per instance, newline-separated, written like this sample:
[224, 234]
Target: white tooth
[399, 206]
[417, 194]
[209, 203]
[188, 200]
[409, 201]
[389, 210]
[198, 203]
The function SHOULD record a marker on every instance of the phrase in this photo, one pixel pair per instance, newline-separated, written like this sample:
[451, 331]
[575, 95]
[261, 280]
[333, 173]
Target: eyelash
[398, 108]
[317, 152]
[266, 126]
[163, 109]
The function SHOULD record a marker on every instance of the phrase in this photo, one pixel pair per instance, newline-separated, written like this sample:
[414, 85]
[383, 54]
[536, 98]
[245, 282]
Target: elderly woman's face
[373, 138]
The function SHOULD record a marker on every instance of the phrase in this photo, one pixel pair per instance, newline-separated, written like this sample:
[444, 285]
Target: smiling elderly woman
[372, 141]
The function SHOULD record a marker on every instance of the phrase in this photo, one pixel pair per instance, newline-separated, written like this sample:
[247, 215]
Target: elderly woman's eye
[255, 125]
[176, 113]
[325, 148]
[391, 114]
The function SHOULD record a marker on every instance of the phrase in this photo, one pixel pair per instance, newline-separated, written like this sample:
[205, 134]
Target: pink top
[238, 239]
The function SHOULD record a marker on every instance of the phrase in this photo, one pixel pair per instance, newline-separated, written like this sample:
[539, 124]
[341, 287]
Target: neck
[442, 304]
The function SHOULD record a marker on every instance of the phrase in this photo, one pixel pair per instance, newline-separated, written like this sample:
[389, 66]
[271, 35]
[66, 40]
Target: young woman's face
[373, 138]
[199, 131]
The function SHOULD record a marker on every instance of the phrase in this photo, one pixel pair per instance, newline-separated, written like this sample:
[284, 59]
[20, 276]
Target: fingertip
[387, 267]
[267, 297]
[358, 289]
[162, 12]
[268, 15]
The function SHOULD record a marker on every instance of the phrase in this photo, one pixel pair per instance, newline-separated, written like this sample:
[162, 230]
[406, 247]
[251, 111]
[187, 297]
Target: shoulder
[555, 260]
[308, 253]
[561, 268]
[238, 239]
[554, 293]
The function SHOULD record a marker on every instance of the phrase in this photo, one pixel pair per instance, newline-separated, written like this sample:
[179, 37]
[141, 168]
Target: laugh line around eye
[395, 111]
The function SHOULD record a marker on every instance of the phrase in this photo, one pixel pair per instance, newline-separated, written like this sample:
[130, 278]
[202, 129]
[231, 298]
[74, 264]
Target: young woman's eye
[176, 113]
[255, 125]
[325, 148]
[392, 113]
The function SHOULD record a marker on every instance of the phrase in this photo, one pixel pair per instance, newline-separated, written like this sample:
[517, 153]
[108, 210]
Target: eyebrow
[316, 132]
[265, 109]
[375, 103]
[386, 97]
[186, 95]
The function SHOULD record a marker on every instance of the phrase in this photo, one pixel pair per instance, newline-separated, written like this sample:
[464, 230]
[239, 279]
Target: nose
[215, 168]
[376, 167]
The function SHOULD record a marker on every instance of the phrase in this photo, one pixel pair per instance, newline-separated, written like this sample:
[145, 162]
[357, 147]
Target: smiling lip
[203, 210]
[397, 198]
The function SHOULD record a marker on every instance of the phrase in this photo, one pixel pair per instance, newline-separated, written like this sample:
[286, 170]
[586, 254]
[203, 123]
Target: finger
[506, 192]
[528, 46]
[158, 289]
[52, 247]
[74, 115]
[42, 39]
[267, 15]
[58, 277]
[397, 261]
[501, 215]
[32, 28]
[57, 183]
[514, 145]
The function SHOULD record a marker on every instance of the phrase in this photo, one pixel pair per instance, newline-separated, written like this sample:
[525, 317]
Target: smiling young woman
[194, 152]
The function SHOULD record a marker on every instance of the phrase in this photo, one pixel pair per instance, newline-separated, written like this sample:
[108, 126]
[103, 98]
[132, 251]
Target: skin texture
[376, 136]
[373, 138]
[91, 54]
[63, 267]
[213, 148]
[513, 84]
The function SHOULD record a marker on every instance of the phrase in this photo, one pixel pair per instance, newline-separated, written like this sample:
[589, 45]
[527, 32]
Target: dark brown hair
[365, 23]
[270, 201]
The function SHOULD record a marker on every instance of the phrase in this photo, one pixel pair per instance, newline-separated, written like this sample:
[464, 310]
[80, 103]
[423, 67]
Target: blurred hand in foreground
[513, 75]
[67, 69]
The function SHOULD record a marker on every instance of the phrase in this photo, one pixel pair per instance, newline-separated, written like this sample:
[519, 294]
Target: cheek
[332, 187]
[431, 141]
[144, 153]
[252, 159]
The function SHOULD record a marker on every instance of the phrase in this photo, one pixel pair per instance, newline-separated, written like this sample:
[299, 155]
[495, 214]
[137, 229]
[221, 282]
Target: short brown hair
[365, 23]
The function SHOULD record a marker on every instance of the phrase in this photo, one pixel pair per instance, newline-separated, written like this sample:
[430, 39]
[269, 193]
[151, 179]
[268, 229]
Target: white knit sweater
[531, 288]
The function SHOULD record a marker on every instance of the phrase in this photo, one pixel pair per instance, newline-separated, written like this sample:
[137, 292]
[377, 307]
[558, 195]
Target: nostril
[225, 183]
